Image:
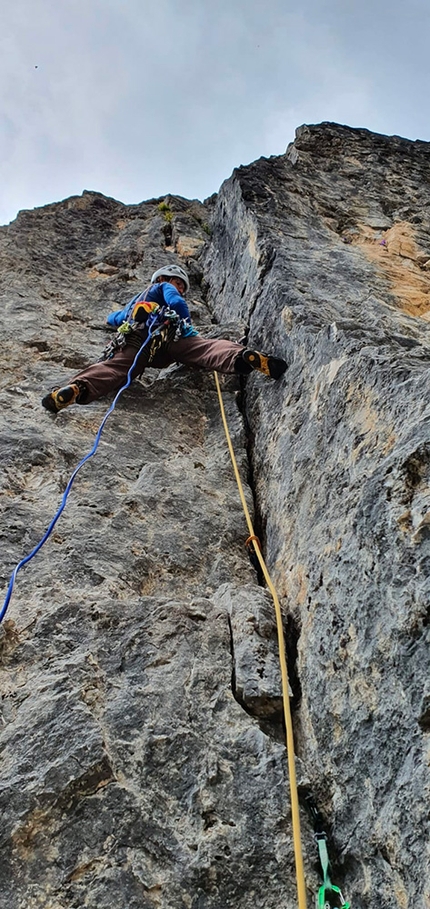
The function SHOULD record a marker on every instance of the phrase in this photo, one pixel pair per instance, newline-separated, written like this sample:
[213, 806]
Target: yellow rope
[301, 888]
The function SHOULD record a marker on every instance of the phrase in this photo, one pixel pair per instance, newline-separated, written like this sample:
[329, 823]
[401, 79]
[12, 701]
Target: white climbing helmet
[172, 271]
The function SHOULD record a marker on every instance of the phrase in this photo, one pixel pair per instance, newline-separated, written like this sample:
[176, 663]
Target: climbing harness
[158, 326]
[301, 888]
[329, 896]
[130, 331]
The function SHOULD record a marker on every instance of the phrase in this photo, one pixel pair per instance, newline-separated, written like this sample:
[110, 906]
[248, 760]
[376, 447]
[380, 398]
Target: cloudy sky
[139, 98]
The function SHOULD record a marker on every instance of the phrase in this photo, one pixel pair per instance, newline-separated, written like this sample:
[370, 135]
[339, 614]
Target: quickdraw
[168, 328]
[118, 342]
[329, 896]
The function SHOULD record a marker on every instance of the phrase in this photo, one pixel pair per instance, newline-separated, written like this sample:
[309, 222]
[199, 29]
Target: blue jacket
[164, 294]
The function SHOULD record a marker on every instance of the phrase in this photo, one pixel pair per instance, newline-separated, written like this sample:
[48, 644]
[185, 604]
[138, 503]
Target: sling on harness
[134, 330]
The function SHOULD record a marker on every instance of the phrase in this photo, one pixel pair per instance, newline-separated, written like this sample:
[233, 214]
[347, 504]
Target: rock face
[143, 758]
[331, 265]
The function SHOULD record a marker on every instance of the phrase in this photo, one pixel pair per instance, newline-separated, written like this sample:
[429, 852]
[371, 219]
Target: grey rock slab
[256, 672]
[144, 761]
[130, 773]
[166, 789]
[328, 245]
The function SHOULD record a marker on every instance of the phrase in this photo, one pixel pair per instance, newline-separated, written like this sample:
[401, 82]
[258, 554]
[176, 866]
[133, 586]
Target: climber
[176, 342]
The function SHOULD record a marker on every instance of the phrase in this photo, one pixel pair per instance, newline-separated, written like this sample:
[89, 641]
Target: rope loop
[252, 539]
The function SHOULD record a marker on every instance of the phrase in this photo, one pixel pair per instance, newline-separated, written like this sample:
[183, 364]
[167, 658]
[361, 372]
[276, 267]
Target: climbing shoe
[63, 397]
[274, 367]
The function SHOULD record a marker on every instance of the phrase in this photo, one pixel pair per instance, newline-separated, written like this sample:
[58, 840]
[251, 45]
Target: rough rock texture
[143, 762]
[331, 265]
[133, 773]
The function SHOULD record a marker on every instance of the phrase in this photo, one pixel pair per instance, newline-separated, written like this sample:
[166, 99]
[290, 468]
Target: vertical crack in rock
[168, 231]
[266, 261]
[292, 638]
[290, 622]
[233, 662]
[255, 678]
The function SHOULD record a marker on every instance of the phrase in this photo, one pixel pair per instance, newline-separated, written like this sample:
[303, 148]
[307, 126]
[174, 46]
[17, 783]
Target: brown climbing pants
[204, 353]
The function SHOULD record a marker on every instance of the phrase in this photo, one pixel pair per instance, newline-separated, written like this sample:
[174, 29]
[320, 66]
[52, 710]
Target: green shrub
[167, 211]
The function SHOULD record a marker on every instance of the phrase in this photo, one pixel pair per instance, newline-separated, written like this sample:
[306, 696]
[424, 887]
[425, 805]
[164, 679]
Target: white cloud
[142, 98]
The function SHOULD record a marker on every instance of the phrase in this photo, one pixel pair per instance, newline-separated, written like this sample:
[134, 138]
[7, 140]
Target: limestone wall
[143, 759]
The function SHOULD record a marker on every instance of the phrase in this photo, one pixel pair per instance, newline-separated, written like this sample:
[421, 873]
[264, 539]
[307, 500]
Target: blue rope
[150, 324]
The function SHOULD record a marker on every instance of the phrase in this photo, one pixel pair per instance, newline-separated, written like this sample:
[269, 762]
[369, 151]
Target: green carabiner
[124, 328]
[325, 901]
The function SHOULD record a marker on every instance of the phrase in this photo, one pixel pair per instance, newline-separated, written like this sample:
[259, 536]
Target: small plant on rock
[167, 211]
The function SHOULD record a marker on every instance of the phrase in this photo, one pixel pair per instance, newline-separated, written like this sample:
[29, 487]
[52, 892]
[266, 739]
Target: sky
[140, 98]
